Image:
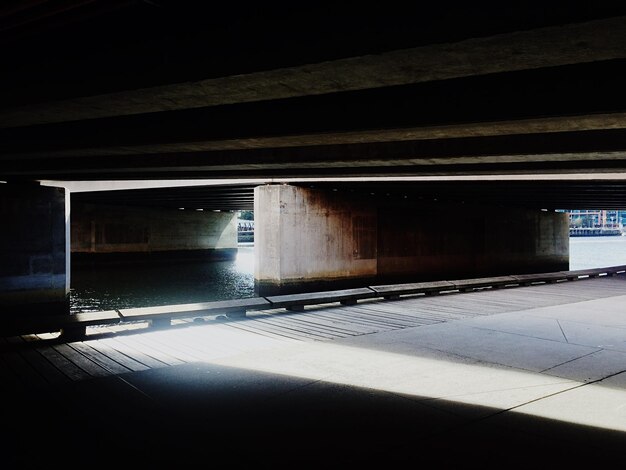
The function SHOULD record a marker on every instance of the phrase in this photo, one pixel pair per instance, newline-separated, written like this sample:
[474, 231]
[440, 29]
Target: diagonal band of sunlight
[484, 385]
[433, 377]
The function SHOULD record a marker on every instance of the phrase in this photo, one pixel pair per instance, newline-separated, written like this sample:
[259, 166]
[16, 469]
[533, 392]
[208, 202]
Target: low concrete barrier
[298, 301]
[394, 291]
[74, 326]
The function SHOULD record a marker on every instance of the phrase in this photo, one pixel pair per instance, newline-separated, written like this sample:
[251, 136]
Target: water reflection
[111, 287]
[138, 285]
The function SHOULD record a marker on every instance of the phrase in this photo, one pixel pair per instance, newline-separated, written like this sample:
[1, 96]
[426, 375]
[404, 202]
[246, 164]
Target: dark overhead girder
[166, 89]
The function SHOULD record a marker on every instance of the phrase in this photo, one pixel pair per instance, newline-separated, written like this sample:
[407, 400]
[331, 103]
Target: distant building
[245, 225]
[591, 223]
[598, 218]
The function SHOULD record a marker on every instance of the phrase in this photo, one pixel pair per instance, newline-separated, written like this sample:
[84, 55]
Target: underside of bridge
[406, 140]
[559, 193]
[510, 107]
[164, 89]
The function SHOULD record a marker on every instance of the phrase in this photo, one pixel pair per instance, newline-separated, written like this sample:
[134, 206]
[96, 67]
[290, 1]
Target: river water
[111, 287]
[114, 287]
[596, 252]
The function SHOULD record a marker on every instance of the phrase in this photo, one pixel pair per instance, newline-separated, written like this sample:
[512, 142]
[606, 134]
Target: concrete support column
[456, 241]
[34, 250]
[310, 239]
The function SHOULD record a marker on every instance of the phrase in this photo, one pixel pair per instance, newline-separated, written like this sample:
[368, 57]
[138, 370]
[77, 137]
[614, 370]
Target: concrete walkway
[542, 387]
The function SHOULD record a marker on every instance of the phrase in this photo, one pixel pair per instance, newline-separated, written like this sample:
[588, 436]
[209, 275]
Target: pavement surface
[544, 387]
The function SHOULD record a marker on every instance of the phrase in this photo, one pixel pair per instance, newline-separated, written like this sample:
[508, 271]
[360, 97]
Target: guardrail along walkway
[75, 326]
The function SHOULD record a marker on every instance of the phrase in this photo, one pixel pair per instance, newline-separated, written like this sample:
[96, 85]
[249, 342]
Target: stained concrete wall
[461, 241]
[34, 251]
[126, 232]
[309, 239]
[313, 237]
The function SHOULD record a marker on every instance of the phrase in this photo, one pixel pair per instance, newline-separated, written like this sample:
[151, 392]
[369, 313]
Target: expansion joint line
[555, 394]
[562, 332]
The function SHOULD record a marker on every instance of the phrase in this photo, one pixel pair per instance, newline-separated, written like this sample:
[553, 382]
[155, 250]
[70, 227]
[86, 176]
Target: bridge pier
[312, 239]
[116, 233]
[34, 250]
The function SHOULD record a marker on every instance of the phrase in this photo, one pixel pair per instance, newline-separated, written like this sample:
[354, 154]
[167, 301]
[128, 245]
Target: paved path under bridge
[490, 378]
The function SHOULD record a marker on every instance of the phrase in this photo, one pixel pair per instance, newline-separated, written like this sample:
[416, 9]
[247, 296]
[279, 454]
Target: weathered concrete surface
[458, 241]
[116, 231]
[308, 237]
[34, 251]
[304, 236]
